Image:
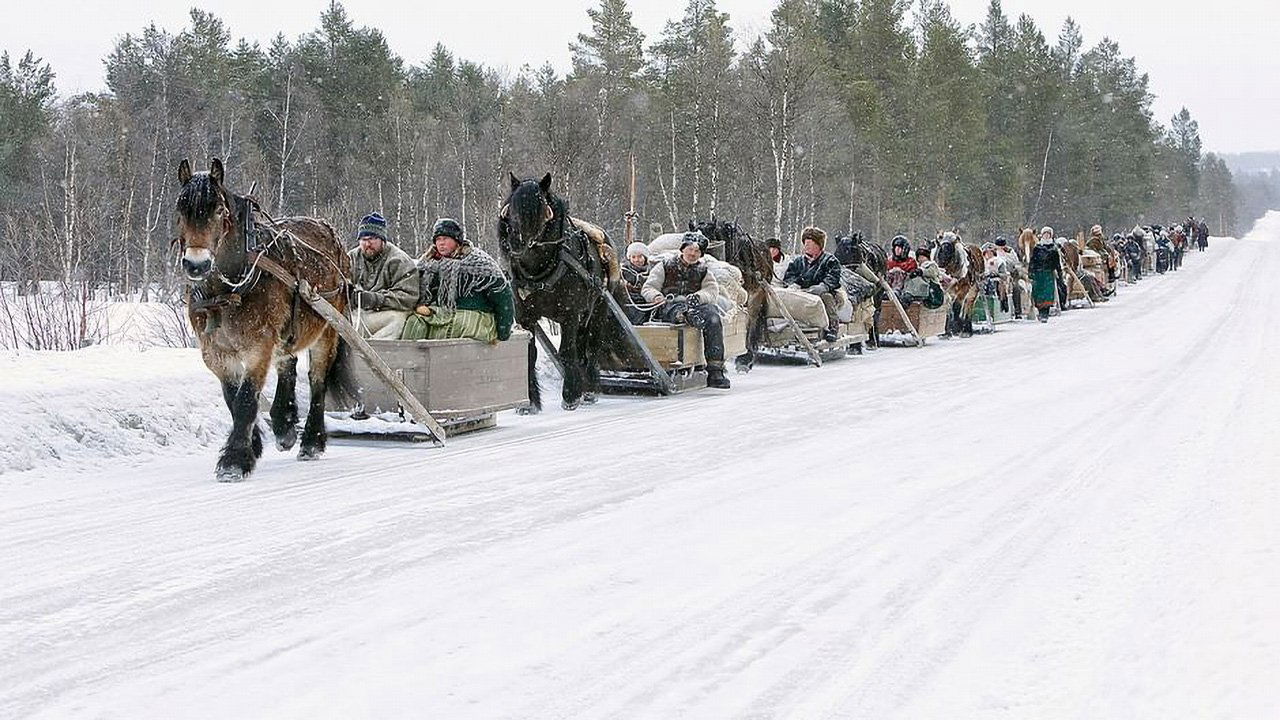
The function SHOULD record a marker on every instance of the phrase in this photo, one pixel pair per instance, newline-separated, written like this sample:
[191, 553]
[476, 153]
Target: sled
[462, 383]
[779, 342]
[1096, 265]
[927, 322]
[678, 349]
[987, 310]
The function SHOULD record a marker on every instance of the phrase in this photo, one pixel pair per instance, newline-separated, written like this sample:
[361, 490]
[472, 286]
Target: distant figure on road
[1046, 264]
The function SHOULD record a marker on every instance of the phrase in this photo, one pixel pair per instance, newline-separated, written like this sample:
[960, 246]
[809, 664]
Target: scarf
[446, 279]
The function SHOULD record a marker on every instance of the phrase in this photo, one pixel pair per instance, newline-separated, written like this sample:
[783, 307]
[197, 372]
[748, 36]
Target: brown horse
[964, 263]
[237, 262]
[1026, 243]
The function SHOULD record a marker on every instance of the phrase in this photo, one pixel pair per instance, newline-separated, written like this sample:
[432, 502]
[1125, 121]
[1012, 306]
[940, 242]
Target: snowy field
[1076, 520]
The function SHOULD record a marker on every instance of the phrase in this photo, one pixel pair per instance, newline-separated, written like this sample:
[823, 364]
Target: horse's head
[722, 238]
[524, 217]
[849, 250]
[206, 220]
[948, 250]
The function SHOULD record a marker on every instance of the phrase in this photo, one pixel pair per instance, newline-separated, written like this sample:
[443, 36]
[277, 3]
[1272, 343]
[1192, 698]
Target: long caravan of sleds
[464, 383]
[252, 272]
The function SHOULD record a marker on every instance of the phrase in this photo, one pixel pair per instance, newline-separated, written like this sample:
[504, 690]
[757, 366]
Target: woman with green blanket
[463, 292]
[1045, 262]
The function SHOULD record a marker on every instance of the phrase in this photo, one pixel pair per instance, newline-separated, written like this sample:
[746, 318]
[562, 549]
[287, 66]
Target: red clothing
[906, 265]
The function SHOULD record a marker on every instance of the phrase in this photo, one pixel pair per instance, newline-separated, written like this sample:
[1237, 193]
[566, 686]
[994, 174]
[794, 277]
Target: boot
[716, 377]
[831, 334]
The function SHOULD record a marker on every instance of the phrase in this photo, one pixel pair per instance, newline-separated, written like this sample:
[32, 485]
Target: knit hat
[372, 224]
[1001, 241]
[694, 238]
[773, 243]
[449, 227]
[637, 248]
[988, 246]
[1046, 229]
[816, 234]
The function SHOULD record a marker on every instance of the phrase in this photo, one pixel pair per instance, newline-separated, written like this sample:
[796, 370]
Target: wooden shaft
[814, 357]
[660, 376]
[376, 363]
[865, 272]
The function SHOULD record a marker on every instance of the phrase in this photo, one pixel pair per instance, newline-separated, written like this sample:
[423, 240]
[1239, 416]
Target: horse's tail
[340, 379]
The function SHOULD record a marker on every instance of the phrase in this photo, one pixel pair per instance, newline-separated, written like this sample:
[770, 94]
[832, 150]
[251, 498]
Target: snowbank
[102, 402]
[1266, 228]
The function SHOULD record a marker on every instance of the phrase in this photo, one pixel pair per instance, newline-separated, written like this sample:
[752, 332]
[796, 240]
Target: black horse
[735, 246]
[853, 251]
[559, 268]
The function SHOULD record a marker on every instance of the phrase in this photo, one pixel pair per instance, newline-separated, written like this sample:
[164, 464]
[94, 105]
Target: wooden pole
[548, 347]
[376, 363]
[814, 357]
[660, 376]
[865, 272]
[659, 373]
[631, 213]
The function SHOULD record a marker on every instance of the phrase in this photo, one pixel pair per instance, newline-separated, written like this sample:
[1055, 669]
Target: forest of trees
[882, 116]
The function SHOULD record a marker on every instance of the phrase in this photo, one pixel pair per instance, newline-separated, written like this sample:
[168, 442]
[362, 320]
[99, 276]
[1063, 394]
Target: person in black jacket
[683, 290]
[817, 271]
[1046, 266]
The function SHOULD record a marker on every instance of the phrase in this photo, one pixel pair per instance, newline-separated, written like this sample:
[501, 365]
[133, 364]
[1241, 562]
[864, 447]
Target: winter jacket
[823, 270]
[392, 276]
[674, 277]
[1045, 257]
[634, 278]
[481, 286]
[907, 265]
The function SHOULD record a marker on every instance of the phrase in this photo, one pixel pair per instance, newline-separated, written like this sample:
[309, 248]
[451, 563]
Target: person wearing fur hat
[817, 271]
[384, 281]
[1046, 264]
[684, 291]
[462, 293]
[635, 271]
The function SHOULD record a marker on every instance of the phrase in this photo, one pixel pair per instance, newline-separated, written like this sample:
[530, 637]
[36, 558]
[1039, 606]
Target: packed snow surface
[1055, 521]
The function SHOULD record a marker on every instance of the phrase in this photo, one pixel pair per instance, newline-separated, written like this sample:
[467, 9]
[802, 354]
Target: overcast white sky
[1217, 58]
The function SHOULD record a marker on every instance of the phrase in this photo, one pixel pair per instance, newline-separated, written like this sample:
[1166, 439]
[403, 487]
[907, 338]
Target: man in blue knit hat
[384, 281]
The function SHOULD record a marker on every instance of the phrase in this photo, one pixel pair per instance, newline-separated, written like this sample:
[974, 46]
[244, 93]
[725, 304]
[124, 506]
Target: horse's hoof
[306, 454]
[230, 475]
[286, 441]
[590, 399]
[529, 410]
[570, 405]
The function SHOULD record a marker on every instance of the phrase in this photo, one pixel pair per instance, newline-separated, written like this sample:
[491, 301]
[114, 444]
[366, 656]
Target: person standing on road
[1046, 264]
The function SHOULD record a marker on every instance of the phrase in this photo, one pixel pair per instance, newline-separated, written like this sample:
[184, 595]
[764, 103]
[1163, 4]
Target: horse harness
[211, 300]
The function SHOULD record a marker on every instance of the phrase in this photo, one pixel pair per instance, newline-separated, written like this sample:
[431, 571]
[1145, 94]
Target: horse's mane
[199, 198]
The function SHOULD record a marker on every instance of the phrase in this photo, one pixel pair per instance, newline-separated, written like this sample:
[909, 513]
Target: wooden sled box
[929, 323]
[461, 382]
[679, 350]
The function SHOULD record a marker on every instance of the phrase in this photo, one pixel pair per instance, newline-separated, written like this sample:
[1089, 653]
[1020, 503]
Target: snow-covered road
[1063, 521]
